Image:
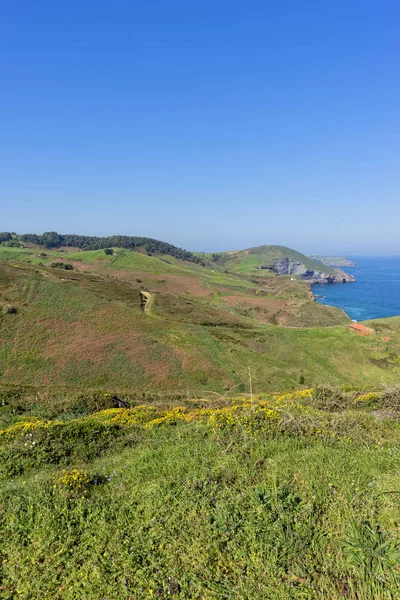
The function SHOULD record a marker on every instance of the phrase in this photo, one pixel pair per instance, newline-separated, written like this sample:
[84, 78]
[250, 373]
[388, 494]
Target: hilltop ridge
[279, 260]
[54, 240]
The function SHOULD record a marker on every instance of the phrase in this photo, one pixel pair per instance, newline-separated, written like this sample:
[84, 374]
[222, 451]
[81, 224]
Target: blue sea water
[376, 293]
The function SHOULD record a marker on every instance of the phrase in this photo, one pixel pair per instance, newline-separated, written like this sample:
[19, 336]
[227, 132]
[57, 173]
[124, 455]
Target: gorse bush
[47, 403]
[265, 498]
[73, 483]
[29, 444]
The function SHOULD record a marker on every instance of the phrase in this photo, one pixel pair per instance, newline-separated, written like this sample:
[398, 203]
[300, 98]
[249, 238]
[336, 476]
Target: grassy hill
[53, 240]
[273, 497]
[247, 261]
[145, 453]
[203, 328]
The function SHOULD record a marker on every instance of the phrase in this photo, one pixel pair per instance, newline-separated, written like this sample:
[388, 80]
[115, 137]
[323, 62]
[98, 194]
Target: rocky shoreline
[289, 266]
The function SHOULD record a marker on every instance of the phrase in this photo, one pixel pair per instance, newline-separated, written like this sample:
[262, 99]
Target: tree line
[5, 236]
[52, 239]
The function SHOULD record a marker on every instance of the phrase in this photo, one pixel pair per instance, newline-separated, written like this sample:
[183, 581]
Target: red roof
[359, 327]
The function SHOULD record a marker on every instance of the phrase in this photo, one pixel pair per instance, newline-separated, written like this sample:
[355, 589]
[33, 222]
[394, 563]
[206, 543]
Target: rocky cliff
[289, 266]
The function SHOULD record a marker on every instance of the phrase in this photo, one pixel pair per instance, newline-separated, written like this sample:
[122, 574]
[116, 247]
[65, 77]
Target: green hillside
[53, 240]
[273, 497]
[247, 261]
[203, 329]
[146, 453]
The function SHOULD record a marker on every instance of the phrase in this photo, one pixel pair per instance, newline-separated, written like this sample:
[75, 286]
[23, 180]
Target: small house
[361, 329]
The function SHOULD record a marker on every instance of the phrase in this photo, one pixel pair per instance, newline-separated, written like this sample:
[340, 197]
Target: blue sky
[213, 125]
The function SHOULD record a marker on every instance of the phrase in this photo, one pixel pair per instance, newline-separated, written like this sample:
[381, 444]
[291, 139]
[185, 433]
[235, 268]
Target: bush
[62, 265]
[73, 483]
[390, 398]
[108, 251]
[329, 399]
[9, 309]
[28, 445]
[12, 244]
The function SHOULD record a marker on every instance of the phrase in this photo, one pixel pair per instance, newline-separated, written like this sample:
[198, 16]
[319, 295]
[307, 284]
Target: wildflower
[73, 482]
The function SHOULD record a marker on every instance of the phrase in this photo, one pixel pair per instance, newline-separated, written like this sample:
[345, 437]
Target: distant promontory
[334, 261]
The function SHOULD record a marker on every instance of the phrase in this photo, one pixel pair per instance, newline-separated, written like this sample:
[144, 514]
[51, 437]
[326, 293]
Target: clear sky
[210, 124]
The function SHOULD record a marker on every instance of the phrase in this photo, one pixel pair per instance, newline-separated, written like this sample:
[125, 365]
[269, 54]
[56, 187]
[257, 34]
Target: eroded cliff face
[288, 266]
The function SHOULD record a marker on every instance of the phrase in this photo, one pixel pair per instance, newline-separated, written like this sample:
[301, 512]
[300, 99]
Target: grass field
[87, 329]
[271, 497]
[144, 452]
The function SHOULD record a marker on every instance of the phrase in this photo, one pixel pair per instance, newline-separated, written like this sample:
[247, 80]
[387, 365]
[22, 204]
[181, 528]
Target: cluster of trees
[5, 236]
[8, 239]
[155, 246]
[52, 239]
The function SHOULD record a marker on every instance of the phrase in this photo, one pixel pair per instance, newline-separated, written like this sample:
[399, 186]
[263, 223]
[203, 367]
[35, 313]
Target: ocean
[376, 293]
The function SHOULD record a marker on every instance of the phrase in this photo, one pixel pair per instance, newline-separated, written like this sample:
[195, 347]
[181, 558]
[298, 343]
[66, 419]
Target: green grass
[88, 256]
[84, 331]
[15, 253]
[266, 497]
[190, 511]
[247, 261]
[148, 264]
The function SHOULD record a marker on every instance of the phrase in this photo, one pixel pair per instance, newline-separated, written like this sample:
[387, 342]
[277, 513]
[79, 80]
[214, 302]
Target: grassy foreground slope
[87, 329]
[273, 497]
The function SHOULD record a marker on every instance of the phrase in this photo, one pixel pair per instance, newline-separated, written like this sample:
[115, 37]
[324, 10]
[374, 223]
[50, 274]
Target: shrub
[108, 251]
[128, 416]
[62, 265]
[12, 244]
[328, 398]
[9, 309]
[73, 483]
[390, 398]
[28, 445]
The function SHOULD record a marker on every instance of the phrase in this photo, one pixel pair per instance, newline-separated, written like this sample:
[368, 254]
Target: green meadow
[145, 451]
[83, 329]
[292, 496]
